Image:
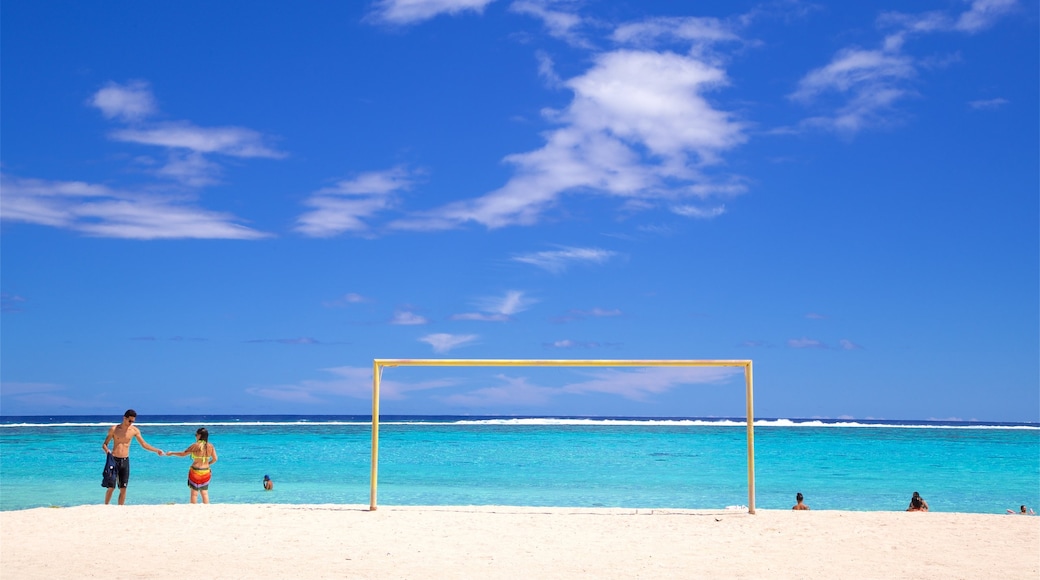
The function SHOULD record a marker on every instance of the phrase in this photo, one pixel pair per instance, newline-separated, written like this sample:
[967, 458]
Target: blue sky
[234, 207]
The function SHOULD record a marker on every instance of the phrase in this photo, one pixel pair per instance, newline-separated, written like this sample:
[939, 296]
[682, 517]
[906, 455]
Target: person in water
[121, 435]
[268, 484]
[203, 455]
[917, 504]
[799, 498]
[1022, 512]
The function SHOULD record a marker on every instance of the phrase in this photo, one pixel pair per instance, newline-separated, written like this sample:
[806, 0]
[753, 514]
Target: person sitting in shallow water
[917, 504]
[268, 484]
[1022, 512]
[800, 505]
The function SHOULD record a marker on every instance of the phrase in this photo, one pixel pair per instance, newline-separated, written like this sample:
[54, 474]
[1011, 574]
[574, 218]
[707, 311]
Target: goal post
[379, 364]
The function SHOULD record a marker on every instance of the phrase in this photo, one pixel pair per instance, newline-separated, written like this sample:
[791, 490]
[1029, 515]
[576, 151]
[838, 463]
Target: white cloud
[16, 388]
[560, 24]
[640, 384]
[499, 309]
[191, 169]
[186, 144]
[988, 104]
[872, 81]
[349, 298]
[443, 342]
[849, 345]
[406, 318]
[805, 343]
[853, 69]
[98, 210]
[130, 102]
[983, 13]
[559, 260]
[345, 206]
[699, 212]
[547, 70]
[639, 127]
[516, 391]
[698, 31]
[352, 382]
[637, 385]
[413, 11]
[10, 302]
[232, 141]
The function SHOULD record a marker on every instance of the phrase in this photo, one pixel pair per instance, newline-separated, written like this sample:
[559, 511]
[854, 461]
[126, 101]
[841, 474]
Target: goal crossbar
[379, 364]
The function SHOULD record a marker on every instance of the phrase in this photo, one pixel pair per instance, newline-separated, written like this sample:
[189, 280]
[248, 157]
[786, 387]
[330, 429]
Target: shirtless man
[120, 436]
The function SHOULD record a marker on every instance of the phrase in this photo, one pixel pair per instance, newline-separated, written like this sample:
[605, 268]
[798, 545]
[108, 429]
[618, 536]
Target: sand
[336, 541]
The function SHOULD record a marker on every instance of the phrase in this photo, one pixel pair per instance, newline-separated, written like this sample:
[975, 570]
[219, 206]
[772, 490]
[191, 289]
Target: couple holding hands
[117, 466]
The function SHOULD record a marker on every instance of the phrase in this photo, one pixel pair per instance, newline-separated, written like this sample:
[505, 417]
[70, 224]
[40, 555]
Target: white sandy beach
[335, 541]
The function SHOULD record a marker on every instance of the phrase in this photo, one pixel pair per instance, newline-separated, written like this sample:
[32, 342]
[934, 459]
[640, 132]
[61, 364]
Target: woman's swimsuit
[198, 477]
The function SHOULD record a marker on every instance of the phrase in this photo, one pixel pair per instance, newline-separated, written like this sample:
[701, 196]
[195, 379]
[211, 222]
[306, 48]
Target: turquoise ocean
[537, 461]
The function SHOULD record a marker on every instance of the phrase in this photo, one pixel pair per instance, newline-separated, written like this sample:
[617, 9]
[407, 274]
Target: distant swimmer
[1022, 511]
[800, 505]
[268, 484]
[917, 504]
[117, 467]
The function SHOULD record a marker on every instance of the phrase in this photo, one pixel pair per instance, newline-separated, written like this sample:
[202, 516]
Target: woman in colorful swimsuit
[203, 455]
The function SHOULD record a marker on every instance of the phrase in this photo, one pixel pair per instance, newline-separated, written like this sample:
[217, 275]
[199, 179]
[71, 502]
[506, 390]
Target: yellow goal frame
[379, 364]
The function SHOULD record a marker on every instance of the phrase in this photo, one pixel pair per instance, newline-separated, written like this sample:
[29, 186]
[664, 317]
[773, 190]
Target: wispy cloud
[559, 260]
[559, 23]
[149, 338]
[699, 212]
[150, 211]
[983, 13]
[42, 398]
[231, 141]
[345, 300]
[345, 206]
[567, 343]
[640, 385]
[872, 81]
[97, 210]
[10, 388]
[846, 344]
[302, 340]
[10, 302]
[639, 127]
[414, 11]
[498, 309]
[443, 342]
[577, 314]
[988, 104]
[699, 32]
[185, 143]
[350, 382]
[356, 382]
[514, 391]
[805, 343]
[408, 318]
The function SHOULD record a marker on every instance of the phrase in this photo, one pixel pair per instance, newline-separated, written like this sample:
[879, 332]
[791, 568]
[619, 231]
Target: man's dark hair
[799, 496]
[130, 413]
